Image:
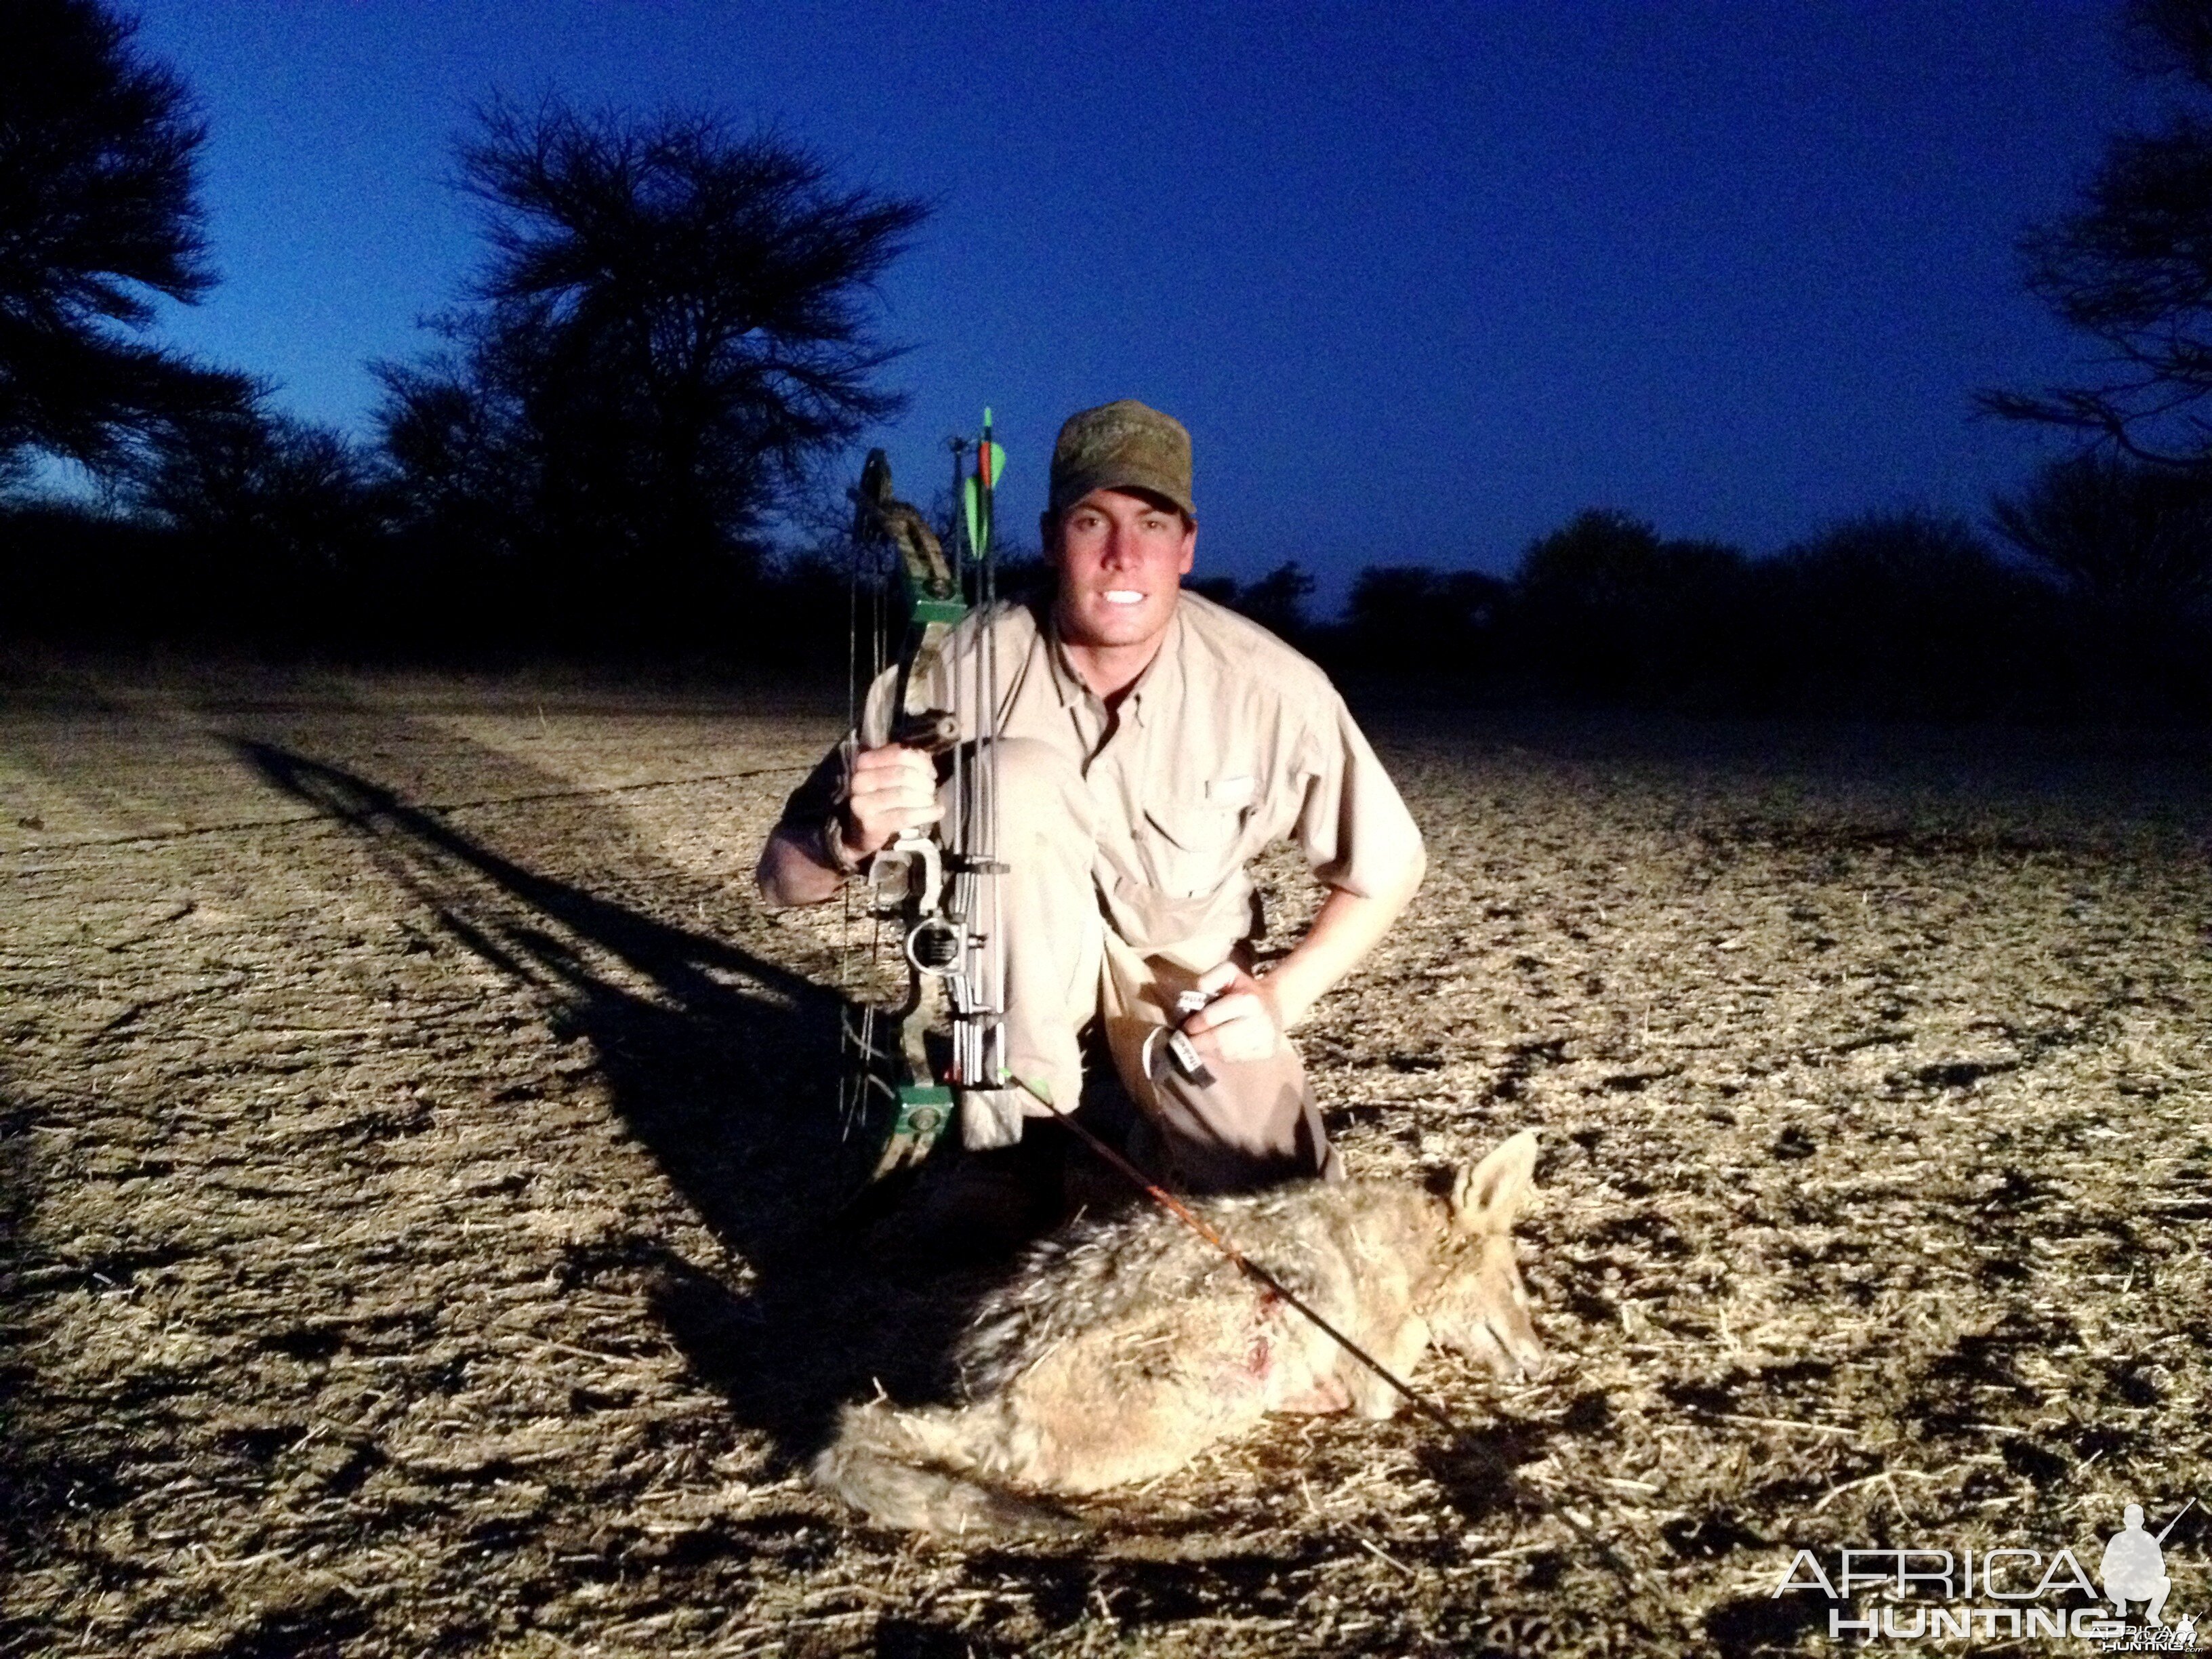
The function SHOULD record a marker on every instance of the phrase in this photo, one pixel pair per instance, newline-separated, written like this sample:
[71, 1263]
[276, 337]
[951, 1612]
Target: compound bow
[930, 901]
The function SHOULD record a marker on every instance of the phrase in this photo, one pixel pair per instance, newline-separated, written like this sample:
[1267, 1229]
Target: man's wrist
[835, 853]
[1285, 1006]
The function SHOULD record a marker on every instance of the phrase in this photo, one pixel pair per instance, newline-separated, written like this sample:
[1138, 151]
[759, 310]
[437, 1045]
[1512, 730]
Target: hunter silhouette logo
[2135, 1566]
[2008, 1591]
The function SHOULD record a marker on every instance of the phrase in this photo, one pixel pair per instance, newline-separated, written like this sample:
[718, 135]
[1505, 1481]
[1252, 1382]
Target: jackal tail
[903, 1469]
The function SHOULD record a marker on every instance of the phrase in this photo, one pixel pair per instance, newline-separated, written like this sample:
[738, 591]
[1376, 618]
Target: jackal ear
[1489, 1197]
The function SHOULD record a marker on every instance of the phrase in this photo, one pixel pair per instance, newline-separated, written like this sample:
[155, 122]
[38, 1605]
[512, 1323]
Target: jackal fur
[1122, 1348]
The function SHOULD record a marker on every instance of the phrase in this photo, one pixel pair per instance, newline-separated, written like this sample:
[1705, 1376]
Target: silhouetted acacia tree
[2132, 268]
[455, 445]
[98, 216]
[672, 326]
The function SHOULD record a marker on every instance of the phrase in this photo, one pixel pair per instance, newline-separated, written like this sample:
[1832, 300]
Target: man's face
[1120, 560]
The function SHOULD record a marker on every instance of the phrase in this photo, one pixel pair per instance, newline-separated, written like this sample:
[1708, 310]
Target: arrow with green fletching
[978, 489]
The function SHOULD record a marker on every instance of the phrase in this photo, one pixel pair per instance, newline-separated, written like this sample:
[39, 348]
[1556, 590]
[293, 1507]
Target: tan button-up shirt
[1228, 741]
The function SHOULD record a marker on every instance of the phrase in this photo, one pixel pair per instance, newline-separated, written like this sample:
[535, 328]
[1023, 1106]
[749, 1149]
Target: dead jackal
[1123, 1348]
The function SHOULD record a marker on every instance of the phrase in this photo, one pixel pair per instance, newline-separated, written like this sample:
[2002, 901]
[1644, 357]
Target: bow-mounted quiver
[925, 1011]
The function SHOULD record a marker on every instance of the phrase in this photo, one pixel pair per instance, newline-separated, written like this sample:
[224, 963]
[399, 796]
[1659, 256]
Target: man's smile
[1124, 596]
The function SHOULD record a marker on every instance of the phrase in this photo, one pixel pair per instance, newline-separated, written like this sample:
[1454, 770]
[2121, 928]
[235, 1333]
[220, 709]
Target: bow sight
[931, 904]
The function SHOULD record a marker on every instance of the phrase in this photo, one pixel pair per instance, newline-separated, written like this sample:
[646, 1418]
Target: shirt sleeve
[808, 806]
[823, 792]
[1354, 827]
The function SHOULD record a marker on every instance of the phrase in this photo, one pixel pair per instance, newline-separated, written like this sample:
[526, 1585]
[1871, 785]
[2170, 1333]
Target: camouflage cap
[1122, 446]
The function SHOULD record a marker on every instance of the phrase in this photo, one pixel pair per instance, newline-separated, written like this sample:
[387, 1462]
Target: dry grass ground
[413, 1149]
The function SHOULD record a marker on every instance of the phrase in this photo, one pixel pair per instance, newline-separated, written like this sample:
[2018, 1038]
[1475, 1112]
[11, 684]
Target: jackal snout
[1482, 1309]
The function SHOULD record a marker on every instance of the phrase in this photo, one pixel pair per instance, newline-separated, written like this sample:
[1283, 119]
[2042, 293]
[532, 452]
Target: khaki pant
[1255, 1123]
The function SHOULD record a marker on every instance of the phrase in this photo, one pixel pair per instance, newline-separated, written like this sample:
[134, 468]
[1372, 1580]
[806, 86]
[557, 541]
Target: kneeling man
[2135, 1568]
[1151, 744]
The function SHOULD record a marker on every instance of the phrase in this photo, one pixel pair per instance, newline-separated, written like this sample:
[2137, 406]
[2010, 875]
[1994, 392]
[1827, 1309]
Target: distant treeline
[614, 432]
[2089, 595]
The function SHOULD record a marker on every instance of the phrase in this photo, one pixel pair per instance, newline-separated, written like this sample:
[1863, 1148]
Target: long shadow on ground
[721, 1063]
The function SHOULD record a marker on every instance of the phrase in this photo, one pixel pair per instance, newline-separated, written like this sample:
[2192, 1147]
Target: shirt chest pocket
[1191, 840]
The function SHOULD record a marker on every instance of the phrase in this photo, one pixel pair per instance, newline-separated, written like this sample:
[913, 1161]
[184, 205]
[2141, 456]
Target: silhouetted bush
[1277, 601]
[2133, 539]
[276, 523]
[1904, 614]
[1440, 625]
[2129, 547]
[1896, 613]
[76, 574]
[1604, 611]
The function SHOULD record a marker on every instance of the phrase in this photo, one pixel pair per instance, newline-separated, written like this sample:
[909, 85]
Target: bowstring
[849, 1092]
[859, 985]
[991, 899]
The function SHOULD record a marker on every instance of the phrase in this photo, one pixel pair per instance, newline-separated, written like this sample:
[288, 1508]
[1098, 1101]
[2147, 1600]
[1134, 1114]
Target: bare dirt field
[416, 1149]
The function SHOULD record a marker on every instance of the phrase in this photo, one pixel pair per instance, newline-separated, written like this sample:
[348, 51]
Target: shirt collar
[1163, 674]
[1064, 680]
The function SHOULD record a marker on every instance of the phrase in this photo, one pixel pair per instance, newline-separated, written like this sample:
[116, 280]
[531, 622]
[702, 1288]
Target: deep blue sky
[1423, 279]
